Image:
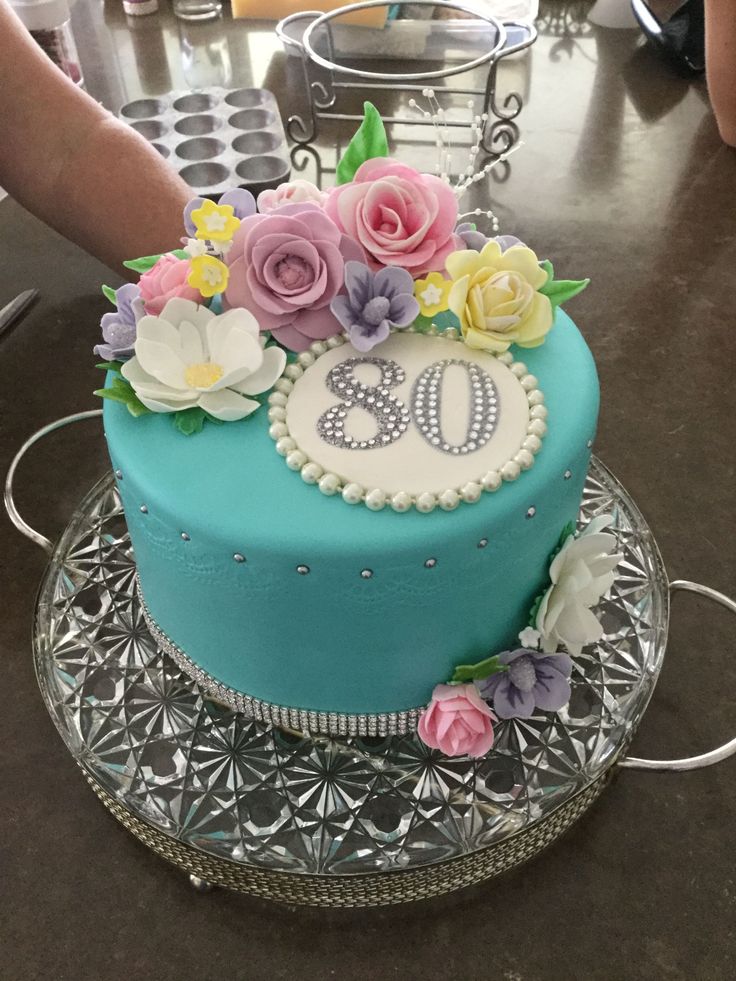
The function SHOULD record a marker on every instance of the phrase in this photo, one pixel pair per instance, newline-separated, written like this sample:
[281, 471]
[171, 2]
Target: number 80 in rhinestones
[392, 416]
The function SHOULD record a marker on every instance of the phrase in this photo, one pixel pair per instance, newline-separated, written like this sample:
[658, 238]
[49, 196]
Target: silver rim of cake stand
[319, 820]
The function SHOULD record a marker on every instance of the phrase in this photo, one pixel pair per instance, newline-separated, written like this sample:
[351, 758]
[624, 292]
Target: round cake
[300, 600]
[350, 433]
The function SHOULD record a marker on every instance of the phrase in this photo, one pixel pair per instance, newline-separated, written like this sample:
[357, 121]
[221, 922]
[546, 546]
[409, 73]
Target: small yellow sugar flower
[432, 294]
[216, 222]
[208, 275]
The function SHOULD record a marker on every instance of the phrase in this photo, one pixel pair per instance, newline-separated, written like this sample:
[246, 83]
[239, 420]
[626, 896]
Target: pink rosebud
[165, 280]
[292, 192]
[399, 216]
[457, 721]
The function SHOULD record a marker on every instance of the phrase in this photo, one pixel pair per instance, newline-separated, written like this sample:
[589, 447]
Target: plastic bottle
[48, 24]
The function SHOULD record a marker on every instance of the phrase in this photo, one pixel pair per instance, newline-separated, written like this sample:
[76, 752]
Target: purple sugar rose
[241, 201]
[375, 302]
[119, 328]
[533, 681]
[285, 267]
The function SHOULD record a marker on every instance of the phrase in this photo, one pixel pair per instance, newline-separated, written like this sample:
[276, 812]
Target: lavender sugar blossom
[473, 239]
[533, 681]
[241, 201]
[119, 328]
[374, 303]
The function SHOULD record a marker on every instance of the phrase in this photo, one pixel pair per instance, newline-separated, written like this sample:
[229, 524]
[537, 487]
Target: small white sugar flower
[529, 638]
[194, 247]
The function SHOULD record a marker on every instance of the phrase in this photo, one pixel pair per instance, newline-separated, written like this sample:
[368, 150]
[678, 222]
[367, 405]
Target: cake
[350, 434]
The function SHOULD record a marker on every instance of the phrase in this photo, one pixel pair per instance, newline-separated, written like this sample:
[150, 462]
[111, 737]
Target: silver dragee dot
[303, 570]
[366, 574]
[531, 512]
[482, 543]
[185, 537]
[238, 557]
[119, 474]
[144, 509]
[430, 563]
[567, 474]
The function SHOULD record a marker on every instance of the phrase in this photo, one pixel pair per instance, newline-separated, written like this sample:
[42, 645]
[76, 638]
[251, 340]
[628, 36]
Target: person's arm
[71, 163]
[720, 64]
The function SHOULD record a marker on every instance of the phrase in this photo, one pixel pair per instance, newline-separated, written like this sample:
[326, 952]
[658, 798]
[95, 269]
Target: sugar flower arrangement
[206, 329]
[535, 675]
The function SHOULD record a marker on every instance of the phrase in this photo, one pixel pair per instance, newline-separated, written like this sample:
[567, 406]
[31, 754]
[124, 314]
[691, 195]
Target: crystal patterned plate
[234, 799]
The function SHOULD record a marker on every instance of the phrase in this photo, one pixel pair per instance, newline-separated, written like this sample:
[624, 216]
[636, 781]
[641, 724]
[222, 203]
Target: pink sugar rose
[164, 281]
[457, 722]
[286, 267]
[292, 192]
[399, 216]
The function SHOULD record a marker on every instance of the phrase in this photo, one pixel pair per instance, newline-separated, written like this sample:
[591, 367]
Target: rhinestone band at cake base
[353, 821]
[303, 720]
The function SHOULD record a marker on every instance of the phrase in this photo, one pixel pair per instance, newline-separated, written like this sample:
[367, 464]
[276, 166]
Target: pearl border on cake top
[375, 498]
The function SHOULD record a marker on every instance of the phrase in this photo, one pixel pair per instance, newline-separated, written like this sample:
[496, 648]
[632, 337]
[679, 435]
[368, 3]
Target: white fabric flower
[581, 572]
[188, 357]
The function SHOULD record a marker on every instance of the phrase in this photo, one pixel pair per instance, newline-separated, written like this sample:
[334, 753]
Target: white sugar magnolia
[581, 573]
[187, 356]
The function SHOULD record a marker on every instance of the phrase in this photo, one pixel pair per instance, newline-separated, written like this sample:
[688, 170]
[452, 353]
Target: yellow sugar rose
[494, 296]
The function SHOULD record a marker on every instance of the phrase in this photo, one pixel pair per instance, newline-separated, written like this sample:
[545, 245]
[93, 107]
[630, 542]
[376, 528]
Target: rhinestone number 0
[392, 416]
[426, 406]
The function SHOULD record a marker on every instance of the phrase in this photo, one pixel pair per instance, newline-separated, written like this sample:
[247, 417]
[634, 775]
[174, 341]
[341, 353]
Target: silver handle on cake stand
[704, 759]
[23, 527]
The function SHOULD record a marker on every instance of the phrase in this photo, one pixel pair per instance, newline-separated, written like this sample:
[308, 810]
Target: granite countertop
[622, 178]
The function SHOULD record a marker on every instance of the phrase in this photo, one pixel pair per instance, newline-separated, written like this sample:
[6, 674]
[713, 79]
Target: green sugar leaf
[549, 269]
[190, 421]
[135, 407]
[147, 262]
[477, 672]
[110, 366]
[535, 610]
[111, 393]
[143, 264]
[110, 294]
[422, 324]
[122, 391]
[559, 291]
[368, 142]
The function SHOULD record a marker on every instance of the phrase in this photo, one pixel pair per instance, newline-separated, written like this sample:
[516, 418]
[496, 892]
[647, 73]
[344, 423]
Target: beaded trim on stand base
[303, 720]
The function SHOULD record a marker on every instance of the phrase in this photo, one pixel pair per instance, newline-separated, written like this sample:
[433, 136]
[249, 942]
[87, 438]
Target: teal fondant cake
[376, 531]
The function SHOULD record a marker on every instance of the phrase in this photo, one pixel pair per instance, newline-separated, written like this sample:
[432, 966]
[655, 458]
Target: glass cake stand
[321, 821]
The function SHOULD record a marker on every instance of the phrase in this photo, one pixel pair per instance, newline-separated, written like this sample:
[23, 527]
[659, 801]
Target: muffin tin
[216, 138]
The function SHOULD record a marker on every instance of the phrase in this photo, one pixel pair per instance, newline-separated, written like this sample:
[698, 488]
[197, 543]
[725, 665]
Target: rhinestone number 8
[392, 416]
[390, 413]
